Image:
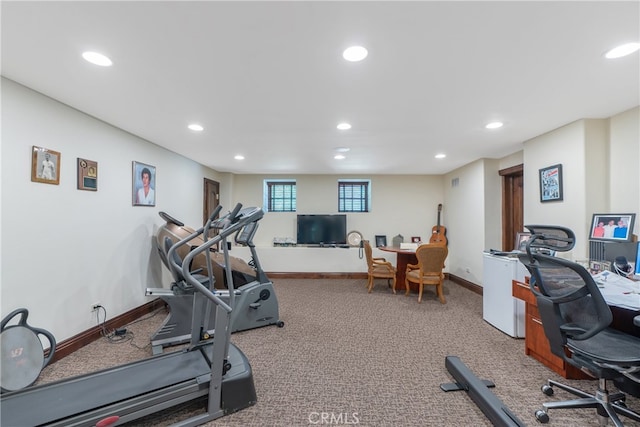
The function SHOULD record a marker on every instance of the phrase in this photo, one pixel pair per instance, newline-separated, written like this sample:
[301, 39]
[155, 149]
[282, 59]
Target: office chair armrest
[379, 259]
[577, 333]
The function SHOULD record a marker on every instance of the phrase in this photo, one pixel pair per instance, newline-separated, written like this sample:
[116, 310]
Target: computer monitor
[637, 272]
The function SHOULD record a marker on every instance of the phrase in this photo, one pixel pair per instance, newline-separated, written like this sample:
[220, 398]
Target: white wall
[400, 204]
[600, 173]
[64, 249]
[596, 177]
[564, 146]
[624, 163]
[511, 160]
[464, 207]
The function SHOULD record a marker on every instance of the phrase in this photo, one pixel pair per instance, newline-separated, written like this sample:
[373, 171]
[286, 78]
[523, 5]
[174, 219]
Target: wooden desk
[536, 344]
[403, 257]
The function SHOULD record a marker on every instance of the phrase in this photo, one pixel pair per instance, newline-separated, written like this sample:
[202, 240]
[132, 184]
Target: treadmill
[212, 368]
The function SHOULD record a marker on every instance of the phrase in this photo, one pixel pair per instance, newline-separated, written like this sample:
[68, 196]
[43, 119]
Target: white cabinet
[499, 307]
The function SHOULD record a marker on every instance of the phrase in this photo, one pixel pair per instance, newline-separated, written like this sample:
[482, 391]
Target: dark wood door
[512, 205]
[211, 199]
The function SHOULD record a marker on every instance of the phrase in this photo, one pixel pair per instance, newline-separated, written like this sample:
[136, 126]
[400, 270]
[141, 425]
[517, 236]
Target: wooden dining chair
[428, 270]
[378, 268]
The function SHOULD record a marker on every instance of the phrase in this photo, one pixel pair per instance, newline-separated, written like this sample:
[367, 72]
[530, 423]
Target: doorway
[512, 205]
[211, 200]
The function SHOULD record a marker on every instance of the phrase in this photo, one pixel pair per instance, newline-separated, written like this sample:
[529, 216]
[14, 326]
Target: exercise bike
[212, 368]
[256, 302]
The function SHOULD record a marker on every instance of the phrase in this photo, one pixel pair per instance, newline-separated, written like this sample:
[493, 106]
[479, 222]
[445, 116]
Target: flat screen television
[322, 229]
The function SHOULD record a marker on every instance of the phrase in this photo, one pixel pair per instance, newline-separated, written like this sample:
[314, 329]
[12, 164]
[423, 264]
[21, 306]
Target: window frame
[269, 198]
[365, 200]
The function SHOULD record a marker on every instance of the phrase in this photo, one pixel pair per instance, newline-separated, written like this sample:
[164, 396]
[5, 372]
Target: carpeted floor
[368, 359]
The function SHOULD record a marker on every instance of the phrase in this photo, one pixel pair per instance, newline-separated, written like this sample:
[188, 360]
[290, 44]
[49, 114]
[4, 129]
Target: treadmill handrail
[193, 235]
[230, 224]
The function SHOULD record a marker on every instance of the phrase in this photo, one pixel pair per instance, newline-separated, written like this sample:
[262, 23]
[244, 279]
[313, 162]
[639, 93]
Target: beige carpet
[368, 359]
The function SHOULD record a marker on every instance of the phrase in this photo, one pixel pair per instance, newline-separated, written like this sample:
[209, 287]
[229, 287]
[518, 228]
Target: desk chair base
[607, 405]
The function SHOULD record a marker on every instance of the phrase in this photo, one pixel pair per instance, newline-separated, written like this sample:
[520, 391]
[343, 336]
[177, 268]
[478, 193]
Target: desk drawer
[538, 345]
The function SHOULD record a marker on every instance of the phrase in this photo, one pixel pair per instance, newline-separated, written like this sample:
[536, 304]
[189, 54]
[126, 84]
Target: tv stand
[332, 245]
[309, 258]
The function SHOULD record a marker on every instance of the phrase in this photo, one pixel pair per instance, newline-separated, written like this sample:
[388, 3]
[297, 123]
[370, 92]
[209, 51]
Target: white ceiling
[267, 79]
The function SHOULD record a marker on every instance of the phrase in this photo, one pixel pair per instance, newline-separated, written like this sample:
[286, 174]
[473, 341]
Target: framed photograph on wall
[613, 227]
[87, 175]
[551, 183]
[144, 184]
[521, 241]
[45, 165]
[381, 241]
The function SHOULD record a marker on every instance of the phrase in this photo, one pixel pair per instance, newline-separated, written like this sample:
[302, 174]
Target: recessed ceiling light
[195, 127]
[342, 149]
[622, 50]
[343, 126]
[339, 157]
[355, 53]
[440, 156]
[97, 59]
[494, 125]
[239, 157]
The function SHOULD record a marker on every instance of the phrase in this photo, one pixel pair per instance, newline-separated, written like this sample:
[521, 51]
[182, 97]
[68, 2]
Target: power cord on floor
[116, 336]
[121, 335]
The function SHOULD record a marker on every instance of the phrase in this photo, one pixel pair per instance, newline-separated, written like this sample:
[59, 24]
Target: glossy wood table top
[404, 257]
[397, 250]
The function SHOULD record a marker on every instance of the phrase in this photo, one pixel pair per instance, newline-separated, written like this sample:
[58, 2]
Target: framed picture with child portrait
[521, 241]
[45, 166]
[612, 227]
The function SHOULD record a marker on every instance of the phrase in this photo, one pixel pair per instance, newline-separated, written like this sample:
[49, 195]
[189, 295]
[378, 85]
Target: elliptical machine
[256, 304]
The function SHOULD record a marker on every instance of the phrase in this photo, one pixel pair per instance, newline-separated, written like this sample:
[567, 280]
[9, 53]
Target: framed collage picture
[551, 183]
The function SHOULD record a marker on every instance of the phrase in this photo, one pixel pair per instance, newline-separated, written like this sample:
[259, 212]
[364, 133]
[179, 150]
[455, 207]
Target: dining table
[403, 257]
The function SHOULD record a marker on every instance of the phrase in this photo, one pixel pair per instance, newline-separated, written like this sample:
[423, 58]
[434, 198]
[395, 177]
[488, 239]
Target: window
[280, 196]
[354, 196]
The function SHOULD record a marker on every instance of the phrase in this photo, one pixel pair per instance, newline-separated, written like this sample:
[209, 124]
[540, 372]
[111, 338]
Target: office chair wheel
[280, 324]
[542, 416]
[546, 389]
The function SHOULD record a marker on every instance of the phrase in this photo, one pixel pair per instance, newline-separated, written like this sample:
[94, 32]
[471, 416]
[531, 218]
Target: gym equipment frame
[213, 368]
[256, 301]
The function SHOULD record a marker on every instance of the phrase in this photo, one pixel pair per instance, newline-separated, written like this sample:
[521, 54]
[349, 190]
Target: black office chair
[575, 318]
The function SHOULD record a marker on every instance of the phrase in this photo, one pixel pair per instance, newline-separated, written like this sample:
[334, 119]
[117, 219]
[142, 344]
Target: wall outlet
[95, 306]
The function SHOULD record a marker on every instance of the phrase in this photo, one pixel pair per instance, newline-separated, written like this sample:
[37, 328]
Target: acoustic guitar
[438, 233]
